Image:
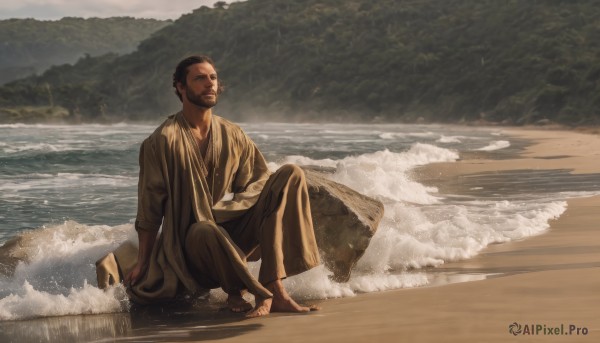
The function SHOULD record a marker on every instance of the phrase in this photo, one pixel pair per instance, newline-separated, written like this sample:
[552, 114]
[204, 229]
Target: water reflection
[446, 278]
[171, 323]
[84, 328]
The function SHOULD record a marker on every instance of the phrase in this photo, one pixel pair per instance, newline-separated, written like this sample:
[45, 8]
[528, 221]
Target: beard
[199, 100]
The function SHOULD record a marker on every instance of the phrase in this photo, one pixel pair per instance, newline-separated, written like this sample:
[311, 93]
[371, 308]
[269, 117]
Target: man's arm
[146, 243]
[151, 199]
[249, 181]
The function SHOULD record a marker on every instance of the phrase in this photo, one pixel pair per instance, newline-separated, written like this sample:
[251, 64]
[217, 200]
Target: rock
[344, 222]
[11, 253]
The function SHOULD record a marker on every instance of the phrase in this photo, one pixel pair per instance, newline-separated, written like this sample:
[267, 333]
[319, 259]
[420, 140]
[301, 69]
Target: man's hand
[135, 274]
[146, 240]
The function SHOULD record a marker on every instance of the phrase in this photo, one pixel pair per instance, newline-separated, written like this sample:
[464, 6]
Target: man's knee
[291, 170]
[199, 233]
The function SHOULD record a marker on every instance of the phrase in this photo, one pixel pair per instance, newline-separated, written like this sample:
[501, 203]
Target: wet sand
[552, 279]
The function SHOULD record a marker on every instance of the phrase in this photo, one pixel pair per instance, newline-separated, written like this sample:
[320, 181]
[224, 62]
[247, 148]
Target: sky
[56, 9]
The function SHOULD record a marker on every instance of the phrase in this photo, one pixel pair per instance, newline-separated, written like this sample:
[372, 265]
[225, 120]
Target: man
[208, 185]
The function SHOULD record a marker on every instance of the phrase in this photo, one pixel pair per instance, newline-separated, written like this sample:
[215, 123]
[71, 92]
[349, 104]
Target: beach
[551, 281]
[546, 286]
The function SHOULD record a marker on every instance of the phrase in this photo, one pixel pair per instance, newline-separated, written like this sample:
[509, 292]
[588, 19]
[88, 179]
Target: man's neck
[198, 118]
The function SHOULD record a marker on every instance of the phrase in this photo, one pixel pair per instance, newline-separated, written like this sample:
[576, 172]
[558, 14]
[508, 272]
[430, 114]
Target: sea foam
[31, 303]
[388, 168]
[495, 145]
[53, 269]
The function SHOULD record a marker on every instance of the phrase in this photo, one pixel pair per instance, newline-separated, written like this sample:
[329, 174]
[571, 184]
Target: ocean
[68, 196]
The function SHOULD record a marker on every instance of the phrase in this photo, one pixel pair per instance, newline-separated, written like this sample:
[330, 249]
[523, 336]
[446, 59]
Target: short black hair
[181, 71]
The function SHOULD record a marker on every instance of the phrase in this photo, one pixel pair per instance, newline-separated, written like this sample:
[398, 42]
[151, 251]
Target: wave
[47, 271]
[388, 168]
[17, 148]
[450, 139]
[65, 180]
[59, 146]
[50, 269]
[495, 145]
[31, 303]
[394, 135]
[55, 264]
[75, 127]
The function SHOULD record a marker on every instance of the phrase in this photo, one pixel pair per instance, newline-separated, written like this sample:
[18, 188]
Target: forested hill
[508, 61]
[30, 46]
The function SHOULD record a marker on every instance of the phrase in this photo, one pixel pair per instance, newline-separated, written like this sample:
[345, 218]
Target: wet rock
[344, 222]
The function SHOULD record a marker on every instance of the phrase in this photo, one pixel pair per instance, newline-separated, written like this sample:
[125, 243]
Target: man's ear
[181, 88]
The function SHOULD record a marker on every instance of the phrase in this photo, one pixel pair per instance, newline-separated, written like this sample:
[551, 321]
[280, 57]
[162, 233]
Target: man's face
[202, 85]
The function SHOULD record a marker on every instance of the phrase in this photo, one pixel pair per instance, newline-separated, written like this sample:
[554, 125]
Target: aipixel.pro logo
[547, 330]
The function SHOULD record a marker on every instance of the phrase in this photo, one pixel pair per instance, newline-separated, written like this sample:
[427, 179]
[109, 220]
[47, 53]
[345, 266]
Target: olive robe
[178, 188]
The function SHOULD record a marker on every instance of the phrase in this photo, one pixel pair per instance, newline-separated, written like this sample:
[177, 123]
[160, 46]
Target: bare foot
[262, 308]
[238, 304]
[283, 302]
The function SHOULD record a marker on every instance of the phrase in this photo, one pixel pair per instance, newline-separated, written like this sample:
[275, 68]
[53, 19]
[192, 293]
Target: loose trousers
[279, 227]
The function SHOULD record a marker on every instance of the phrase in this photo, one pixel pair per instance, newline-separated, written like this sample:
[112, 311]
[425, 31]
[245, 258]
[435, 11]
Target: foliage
[507, 61]
[31, 46]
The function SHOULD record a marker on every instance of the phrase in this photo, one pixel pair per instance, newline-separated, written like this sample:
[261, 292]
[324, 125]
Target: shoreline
[550, 279]
[57, 115]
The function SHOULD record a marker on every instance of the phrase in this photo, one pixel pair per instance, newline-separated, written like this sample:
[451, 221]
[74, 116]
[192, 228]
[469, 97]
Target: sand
[550, 280]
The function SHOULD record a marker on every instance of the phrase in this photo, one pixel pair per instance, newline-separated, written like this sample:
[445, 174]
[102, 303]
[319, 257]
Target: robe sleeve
[249, 180]
[152, 193]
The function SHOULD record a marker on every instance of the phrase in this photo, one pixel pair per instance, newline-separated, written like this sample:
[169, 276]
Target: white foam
[495, 145]
[422, 134]
[56, 263]
[389, 135]
[350, 131]
[30, 303]
[66, 180]
[394, 135]
[21, 147]
[14, 126]
[450, 139]
[304, 161]
[388, 168]
[68, 127]
[317, 284]
[412, 236]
